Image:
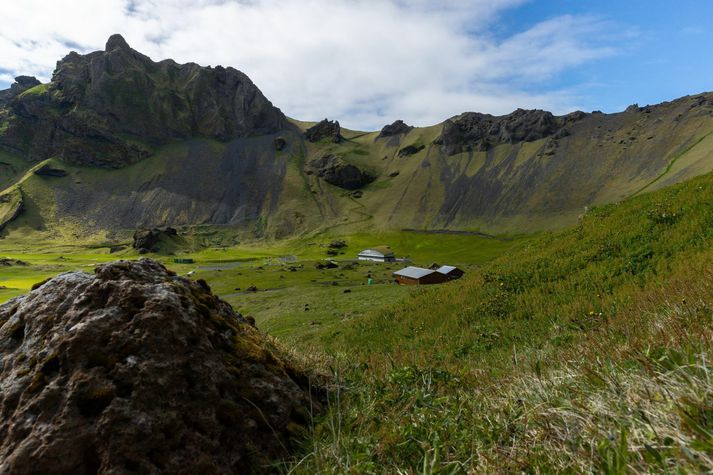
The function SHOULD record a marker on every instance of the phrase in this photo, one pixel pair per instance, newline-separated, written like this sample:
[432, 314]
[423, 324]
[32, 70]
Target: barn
[419, 276]
[377, 254]
[451, 272]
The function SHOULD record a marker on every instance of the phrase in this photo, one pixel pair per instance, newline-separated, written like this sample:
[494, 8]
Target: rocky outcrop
[410, 150]
[480, 132]
[335, 171]
[49, 170]
[326, 129]
[11, 206]
[136, 370]
[108, 108]
[150, 240]
[399, 127]
[21, 84]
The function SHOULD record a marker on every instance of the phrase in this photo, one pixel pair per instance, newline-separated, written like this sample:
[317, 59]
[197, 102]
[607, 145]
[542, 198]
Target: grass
[581, 351]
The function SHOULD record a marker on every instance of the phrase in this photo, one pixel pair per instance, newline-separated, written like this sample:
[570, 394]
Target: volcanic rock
[480, 132]
[136, 370]
[326, 129]
[410, 150]
[21, 84]
[397, 128]
[49, 170]
[336, 172]
[149, 240]
[100, 107]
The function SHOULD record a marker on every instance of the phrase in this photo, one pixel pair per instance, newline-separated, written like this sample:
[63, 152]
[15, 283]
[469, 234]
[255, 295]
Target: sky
[367, 63]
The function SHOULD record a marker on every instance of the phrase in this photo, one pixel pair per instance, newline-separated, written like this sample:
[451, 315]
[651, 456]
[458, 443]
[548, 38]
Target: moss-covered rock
[134, 369]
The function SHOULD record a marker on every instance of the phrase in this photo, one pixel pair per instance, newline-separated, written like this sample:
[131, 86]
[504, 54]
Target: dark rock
[399, 127]
[347, 291]
[357, 194]
[280, 144]
[100, 107]
[49, 170]
[326, 265]
[8, 262]
[337, 244]
[149, 240]
[410, 150]
[336, 172]
[393, 174]
[21, 84]
[325, 130]
[136, 370]
[117, 248]
[252, 288]
[480, 132]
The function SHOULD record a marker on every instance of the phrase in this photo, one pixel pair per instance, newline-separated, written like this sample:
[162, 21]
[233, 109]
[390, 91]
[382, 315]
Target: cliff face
[212, 150]
[110, 108]
[135, 370]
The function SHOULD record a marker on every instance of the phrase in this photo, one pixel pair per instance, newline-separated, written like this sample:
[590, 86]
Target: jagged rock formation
[480, 132]
[136, 370]
[21, 84]
[96, 100]
[399, 127]
[339, 173]
[325, 129]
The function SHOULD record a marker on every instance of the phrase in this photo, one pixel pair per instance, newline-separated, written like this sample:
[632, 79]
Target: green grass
[36, 90]
[580, 351]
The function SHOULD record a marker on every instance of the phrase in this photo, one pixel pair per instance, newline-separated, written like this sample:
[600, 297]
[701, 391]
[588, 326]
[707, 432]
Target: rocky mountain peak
[110, 108]
[116, 41]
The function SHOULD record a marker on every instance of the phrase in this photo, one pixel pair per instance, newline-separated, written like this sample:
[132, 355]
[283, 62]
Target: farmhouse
[419, 276]
[451, 272]
[377, 254]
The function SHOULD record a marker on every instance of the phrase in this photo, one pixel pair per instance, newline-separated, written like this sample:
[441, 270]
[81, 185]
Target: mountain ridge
[149, 143]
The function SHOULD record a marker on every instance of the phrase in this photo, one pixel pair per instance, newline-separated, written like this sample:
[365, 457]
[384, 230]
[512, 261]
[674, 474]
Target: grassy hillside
[584, 350]
[258, 191]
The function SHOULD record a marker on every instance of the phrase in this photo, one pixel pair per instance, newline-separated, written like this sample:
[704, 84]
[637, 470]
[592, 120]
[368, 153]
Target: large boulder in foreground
[136, 370]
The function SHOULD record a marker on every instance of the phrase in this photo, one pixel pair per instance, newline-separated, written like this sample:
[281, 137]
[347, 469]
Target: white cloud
[364, 62]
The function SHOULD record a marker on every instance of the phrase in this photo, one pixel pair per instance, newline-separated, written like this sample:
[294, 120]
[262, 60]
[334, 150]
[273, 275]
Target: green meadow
[583, 350]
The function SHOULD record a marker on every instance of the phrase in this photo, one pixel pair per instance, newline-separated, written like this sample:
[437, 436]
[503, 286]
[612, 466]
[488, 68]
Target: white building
[377, 254]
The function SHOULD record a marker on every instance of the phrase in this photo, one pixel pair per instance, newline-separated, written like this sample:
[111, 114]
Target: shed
[377, 254]
[419, 276]
[451, 272]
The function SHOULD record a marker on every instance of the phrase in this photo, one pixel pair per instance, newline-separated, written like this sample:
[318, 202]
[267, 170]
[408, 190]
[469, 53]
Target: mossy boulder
[136, 370]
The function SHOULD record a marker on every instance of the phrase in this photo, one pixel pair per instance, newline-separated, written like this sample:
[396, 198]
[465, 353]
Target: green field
[294, 300]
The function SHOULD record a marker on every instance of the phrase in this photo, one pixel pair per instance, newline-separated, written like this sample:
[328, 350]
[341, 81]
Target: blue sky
[369, 62]
[668, 54]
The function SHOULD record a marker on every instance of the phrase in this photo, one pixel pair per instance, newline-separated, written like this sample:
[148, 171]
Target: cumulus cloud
[364, 62]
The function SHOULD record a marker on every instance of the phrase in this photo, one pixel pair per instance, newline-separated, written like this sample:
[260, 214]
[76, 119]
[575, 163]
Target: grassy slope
[581, 350]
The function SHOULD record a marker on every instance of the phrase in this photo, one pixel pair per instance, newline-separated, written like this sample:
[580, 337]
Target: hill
[144, 143]
[580, 351]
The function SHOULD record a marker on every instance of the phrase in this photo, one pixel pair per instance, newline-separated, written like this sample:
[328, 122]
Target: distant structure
[451, 272]
[419, 276]
[377, 254]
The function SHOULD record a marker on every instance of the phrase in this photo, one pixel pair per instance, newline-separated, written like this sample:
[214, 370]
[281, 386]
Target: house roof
[446, 269]
[414, 272]
[378, 251]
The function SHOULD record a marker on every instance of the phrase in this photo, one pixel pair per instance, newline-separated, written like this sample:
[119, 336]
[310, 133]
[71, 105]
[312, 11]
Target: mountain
[144, 143]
